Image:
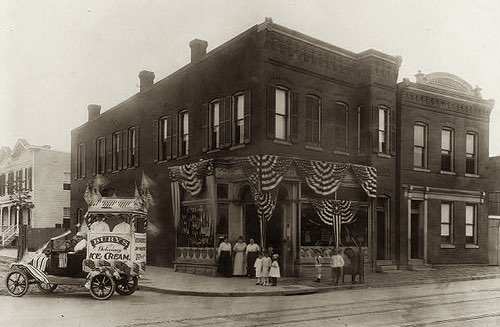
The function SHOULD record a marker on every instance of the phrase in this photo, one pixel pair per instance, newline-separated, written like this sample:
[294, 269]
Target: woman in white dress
[239, 248]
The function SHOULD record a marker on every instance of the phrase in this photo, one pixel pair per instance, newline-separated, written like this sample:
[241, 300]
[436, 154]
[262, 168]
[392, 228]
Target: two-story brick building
[272, 124]
[45, 173]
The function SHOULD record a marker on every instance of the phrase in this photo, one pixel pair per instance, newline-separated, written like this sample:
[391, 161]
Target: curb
[314, 290]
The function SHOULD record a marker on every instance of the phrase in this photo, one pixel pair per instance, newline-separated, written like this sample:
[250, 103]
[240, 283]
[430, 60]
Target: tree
[20, 196]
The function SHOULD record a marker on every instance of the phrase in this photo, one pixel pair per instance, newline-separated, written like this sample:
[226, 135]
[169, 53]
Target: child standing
[258, 269]
[266, 265]
[274, 272]
[319, 265]
[336, 265]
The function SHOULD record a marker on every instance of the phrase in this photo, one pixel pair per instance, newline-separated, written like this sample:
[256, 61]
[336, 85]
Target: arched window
[341, 125]
[313, 119]
[447, 149]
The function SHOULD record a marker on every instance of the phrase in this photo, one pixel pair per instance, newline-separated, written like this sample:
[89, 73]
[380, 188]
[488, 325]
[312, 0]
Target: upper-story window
[133, 147]
[165, 138]
[341, 125]
[28, 175]
[420, 145]
[471, 153]
[20, 182]
[239, 128]
[447, 149]
[282, 114]
[184, 133]
[383, 130]
[313, 119]
[10, 183]
[101, 155]
[214, 130]
[117, 151]
[446, 223]
[81, 154]
[3, 185]
[471, 224]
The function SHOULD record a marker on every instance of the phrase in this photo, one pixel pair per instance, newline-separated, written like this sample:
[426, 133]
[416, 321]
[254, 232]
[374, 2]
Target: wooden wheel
[127, 285]
[46, 288]
[102, 287]
[17, 283]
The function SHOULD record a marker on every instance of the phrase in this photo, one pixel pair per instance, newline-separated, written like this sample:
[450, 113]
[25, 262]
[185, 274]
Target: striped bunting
[327, 209]
[367, 178]
[265, 202]
[266, 172]
[322, 177]
[192, 176]
[33, 271]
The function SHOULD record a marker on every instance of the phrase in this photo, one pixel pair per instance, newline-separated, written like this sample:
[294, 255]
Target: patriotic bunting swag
[192, 176]
[335, 213]
[322, 177]
[143, 198]
[367, 178]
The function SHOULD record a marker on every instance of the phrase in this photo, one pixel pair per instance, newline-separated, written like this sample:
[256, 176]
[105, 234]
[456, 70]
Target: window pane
[281, 102]
[446, 139]
[469, 230]
[185, 123]
[445, 230]
[445, 212]
[445, 161]
[315, 109]
[240, 105]
[419, 135]
[469, 214]
[418, 157]
[280, 127]
[470, 165]
[470, 143]
[215, 114]
[381, 119]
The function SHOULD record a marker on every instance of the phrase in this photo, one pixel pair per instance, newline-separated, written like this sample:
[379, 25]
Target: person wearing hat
[274, 272]
[122, 226]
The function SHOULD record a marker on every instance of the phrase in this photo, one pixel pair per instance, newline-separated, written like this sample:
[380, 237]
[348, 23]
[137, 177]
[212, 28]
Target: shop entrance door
[274, 231]
[415, 237]
[381, 236]
[252, 224]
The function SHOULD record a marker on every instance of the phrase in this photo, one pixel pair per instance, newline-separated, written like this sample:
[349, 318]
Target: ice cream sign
[109, 246]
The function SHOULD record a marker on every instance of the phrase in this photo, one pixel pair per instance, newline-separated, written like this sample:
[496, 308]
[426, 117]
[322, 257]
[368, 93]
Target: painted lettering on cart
[109, 256]
[110, 239]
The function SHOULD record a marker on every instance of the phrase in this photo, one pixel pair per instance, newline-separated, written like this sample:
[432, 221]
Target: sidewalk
[165, 280]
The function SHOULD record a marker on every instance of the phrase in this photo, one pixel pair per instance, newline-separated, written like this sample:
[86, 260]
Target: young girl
[274, 272]
[266, 265]
[258, 269]
[319, 265]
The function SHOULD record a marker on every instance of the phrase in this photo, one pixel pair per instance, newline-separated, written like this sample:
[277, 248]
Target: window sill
[383, 155]
[314, 148]
[471, 246]
[445, 172]
[282, 142]
[447, 246]
[163, 161]
[183, 157]
[342, 153]
[237, 147]
[471, 175]
[424, 170]
[214, 150]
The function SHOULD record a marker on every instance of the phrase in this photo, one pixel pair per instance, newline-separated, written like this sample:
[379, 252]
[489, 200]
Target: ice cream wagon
[107, 254]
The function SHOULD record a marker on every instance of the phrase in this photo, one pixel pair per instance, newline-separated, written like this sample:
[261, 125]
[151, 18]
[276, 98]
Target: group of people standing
[336, 264]
[248, 260]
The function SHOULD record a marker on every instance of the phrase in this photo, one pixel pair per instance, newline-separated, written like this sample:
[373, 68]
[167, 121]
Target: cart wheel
[46, 288]
[17, 283]
[127, 285]
[102, 287]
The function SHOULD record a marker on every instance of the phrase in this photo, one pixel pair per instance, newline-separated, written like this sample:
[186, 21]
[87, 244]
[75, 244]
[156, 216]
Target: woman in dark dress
[225, 261]
[252, 252]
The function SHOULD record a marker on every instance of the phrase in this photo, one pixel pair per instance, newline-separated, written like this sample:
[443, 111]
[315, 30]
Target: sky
[56, 57]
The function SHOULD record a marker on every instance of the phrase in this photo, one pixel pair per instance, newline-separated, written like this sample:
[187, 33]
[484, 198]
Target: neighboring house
[494, 211]
[45, 173]
[314, 112]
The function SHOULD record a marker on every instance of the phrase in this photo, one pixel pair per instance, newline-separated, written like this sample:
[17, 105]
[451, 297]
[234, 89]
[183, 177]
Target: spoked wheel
[17, 283]
[46, 288]
[126, 285]
[102, 287]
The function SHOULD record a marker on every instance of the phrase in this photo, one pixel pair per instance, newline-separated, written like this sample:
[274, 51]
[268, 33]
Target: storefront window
[222, 221]
[195, 228]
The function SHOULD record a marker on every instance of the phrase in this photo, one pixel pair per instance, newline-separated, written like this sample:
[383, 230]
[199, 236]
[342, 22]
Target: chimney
[198, 49]
[94, 111]
[420, 77]
[146, 79]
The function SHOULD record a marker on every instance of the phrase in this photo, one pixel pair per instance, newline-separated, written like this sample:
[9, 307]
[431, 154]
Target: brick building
[264, 114]
[46, 173]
